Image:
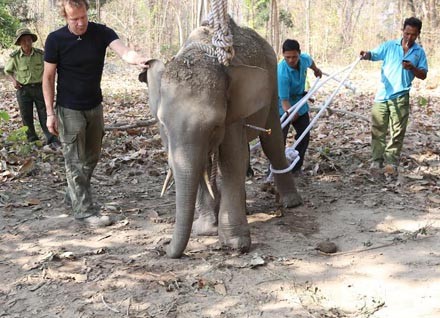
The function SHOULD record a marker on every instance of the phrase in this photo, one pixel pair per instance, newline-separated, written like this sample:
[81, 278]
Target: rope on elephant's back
[222, 39]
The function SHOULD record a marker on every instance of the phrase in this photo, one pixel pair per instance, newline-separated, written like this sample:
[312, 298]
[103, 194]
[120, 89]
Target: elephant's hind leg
[273, 147]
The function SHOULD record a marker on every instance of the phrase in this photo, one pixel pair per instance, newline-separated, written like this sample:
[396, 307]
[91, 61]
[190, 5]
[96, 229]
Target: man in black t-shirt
[76, 53]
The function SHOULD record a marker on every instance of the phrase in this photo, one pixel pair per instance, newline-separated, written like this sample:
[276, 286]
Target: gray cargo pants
[81, 134]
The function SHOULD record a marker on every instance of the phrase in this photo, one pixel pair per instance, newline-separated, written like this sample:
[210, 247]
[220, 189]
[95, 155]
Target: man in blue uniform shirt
[403, 60]
[292, 73]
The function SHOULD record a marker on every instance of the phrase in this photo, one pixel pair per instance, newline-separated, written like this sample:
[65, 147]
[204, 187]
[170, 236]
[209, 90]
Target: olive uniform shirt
[26, 69]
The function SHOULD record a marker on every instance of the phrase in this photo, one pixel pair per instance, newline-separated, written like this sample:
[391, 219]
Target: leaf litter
[122, 270]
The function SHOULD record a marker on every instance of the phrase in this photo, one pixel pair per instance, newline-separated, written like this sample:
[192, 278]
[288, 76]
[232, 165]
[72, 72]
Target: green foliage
[286, 18]
[4, 116]
[18, 135]
[17, 138]
[261, 13]
[324, 151]
[19, 141]
[8, 25]
[423, 102]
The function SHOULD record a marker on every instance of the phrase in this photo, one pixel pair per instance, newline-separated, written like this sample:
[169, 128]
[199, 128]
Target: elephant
[202, 108]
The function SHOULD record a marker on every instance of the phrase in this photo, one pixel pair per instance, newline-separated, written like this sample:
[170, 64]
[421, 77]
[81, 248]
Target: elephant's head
[194, 99]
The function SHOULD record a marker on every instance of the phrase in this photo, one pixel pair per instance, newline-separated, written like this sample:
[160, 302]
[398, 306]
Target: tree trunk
[275, 26]
[98, 10]
[411, 7]
[179, 27]
[307, 16]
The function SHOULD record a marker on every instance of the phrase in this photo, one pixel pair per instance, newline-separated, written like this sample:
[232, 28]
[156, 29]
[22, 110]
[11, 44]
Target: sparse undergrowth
[386, 230]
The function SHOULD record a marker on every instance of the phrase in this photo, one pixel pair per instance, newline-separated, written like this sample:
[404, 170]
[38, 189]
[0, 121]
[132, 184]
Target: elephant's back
[194, 67]
[251, 48]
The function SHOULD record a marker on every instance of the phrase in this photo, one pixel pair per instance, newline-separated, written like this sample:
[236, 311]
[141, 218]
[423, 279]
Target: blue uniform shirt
[292, 82]
[396, 81]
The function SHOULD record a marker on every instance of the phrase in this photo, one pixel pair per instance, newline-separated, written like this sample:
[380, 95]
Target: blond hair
[74, 3]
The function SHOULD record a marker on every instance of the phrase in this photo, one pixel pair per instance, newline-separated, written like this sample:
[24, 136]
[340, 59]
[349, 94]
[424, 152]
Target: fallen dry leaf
[27, 166]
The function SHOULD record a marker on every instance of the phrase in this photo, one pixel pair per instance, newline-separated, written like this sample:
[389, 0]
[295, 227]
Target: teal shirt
[292, 82]
[395, 80]
[26, 69]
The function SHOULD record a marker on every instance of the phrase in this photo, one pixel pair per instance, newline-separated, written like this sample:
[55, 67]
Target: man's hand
[418, 72]
[365, 55]
[318, 73]
[17, 84]
[407, 65]
[143, 63]
[52, 124]
[295, 117]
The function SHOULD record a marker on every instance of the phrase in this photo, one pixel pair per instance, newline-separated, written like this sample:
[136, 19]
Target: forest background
[332, 31]
[387, 231]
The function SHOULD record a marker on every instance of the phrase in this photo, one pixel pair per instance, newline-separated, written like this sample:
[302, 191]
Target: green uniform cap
[24, 31]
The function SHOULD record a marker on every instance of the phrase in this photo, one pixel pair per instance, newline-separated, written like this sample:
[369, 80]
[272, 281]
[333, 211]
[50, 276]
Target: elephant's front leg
[233, 228]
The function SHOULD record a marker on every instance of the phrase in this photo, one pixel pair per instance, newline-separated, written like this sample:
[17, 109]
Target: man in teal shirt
[292, 73]
[25, 69]
[403, 60]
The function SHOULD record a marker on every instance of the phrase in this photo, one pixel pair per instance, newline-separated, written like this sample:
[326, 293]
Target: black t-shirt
[80, 61]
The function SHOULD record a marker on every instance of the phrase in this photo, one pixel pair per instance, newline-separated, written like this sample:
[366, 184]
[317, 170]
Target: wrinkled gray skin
[202, 107]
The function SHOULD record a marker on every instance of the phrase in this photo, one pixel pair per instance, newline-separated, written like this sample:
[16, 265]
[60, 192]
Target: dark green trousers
[27, 96]
[390, 117]
[81, 134]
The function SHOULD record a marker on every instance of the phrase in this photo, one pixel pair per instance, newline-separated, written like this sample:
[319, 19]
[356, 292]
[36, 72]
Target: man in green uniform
[25, 69]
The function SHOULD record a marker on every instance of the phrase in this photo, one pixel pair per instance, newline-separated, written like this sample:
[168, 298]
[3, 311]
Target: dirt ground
[386, 230]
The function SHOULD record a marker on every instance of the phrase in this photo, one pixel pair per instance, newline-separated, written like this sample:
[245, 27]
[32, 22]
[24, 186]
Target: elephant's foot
[240, 243]
[237, 238]
[205, 225]
[291, 200]
[286, 187]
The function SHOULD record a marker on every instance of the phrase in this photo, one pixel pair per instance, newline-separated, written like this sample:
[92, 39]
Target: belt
[31, 85]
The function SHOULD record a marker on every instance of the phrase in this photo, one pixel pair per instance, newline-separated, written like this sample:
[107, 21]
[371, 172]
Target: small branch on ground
[105, 304]
[124, 126]
[374, 247]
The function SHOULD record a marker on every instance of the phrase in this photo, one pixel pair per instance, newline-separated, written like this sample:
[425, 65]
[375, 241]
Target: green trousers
[81, 134]
[390, 116]
[28, 96]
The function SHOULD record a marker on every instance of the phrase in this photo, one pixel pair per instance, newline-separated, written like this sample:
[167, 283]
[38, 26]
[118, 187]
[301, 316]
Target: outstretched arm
[316, 70]
[128, 55]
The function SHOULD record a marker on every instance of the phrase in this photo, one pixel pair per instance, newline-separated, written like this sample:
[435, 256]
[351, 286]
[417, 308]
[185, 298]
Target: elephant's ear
[153, 76]
[248, 91]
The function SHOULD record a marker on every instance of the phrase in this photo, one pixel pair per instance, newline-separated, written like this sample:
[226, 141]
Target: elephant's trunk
[188, 167]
